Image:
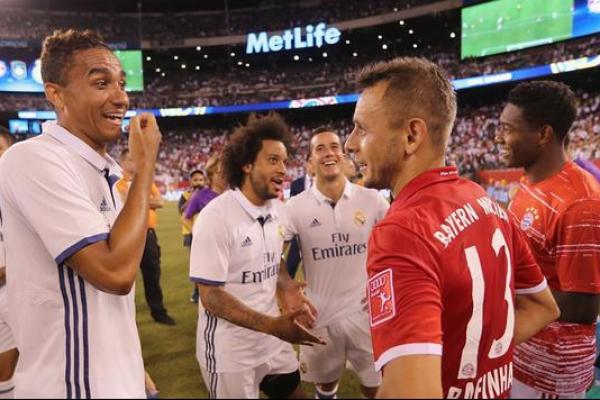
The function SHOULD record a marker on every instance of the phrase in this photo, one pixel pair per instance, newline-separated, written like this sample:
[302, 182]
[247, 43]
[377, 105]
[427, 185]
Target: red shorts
[559, 360]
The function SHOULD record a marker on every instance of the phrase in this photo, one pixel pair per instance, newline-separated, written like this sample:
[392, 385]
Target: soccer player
[150, 264]
[235, 260]
[9, 354]
[197, 183]
[558, 208]
[72, 257]
[333, 221]
[446, 261]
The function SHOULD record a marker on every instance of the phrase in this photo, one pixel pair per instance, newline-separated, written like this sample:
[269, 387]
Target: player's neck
[547, 165]
[410, 171]
[248, 191]
[99, 148]
[333, 189]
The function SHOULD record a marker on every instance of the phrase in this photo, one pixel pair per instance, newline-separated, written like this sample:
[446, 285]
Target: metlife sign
[297, 38]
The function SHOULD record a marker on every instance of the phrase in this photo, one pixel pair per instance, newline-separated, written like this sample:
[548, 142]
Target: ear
[417, 133]
[54, 95]
[247, 168]
[546, 135]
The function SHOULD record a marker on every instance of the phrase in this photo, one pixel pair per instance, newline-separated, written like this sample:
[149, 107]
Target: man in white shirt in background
[333, 221]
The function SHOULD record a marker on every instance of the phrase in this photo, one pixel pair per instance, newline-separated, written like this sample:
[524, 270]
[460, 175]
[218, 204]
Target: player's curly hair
[546, 103]
[246, 142]
[58, 50]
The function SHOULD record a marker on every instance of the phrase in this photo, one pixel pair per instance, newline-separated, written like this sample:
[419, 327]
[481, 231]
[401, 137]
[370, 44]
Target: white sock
[7, 390]
[321, 394]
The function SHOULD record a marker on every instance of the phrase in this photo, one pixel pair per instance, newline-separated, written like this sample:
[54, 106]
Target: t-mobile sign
[297, 38]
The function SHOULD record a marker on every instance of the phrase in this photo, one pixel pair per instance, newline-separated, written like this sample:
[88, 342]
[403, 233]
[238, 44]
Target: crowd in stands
[471, 146]
[222, 82]
[174, 27]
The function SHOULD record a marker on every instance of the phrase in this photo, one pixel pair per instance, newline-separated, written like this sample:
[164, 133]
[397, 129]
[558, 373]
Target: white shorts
[348, 339]
[522, 391]
[7, 341]
[245, 384]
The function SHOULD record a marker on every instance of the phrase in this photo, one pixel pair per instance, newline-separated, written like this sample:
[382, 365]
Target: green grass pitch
[506, 25]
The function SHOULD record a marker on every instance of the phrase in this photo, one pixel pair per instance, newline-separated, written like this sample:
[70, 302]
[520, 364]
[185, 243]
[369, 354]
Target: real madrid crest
[359, 218]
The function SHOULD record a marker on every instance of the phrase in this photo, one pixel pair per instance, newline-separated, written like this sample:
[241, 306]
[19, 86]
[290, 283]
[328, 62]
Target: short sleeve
[404, 293]
[382, 207]
[289, 226]
[52, 199]
[210, 251]
[578, 247]
[193, 206]
[529, 278]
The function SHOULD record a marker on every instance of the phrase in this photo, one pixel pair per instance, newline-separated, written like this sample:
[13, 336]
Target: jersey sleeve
[289, 226]
[404, 293]
[50, 198]
[382, 207]
[210, 251]
[578, 247]
[193, 206]
[529, 278]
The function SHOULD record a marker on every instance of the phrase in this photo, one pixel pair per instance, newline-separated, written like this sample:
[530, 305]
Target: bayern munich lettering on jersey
[231, 248]
[333, 243]
[561, 218]
[445, 263]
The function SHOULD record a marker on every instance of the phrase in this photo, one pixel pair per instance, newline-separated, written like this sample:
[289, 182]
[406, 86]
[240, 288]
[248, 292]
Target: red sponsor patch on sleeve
[382, 306]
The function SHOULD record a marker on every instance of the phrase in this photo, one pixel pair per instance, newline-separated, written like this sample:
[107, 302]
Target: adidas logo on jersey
[247, 242]
[104, 206]
[315, 223]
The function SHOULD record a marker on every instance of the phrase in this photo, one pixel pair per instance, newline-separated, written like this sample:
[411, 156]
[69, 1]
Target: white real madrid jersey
[231, 247]
[333, 242]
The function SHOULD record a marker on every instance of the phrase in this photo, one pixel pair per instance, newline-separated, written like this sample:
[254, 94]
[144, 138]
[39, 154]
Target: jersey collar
[427, 178]
[252, 210]
[321, 198]
[79, 146]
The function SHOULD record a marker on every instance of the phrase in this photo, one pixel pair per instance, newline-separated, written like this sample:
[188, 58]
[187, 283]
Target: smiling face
[326, 156]
[518, 143]
[376, 145]
[265, 175]
[92, 103]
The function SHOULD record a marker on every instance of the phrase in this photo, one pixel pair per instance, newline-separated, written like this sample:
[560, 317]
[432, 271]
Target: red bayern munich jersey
[443, 267]
[561, 217]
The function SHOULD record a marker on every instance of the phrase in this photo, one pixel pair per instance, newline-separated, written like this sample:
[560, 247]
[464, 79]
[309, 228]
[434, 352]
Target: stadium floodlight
[183, 66]
[157, 69]
[232, 54]
[452, 35]
[163, 74]
[175, 58]
[148, 58]
[310, 59]
[384, 47]
[205, 56]
[401, 22]
[198, 48]
[325, 54]
[347, 41]
[296, 58]
[354, 54]
[247, 65]
[240, 63]
[197, 68]
[415, 45]
[379, 37]
[410, 31]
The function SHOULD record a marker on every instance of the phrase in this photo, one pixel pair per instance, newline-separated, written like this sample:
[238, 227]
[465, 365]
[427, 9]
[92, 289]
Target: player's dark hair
[246, 142]
[417, 88]
[58, 50]
[317, 131]
[546, 103]
[196, 171]
[5, 133]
